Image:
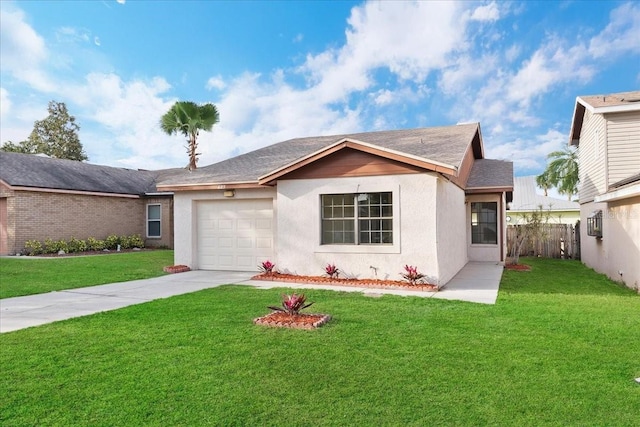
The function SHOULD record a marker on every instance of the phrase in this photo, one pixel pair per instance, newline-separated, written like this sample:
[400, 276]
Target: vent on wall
[594, 224]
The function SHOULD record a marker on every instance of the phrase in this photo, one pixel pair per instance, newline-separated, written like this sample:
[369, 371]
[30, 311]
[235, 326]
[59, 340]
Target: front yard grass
[27, 276]
[560, 347]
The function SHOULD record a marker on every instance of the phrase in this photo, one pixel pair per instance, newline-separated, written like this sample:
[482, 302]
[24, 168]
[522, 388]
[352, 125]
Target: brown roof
[612, 100]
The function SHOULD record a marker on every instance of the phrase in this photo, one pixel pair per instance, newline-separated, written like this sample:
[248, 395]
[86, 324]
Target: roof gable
[601, 104]
[347, 146]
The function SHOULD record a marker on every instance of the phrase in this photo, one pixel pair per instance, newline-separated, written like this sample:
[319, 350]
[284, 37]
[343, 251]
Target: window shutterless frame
[154, 220]
[356, 219]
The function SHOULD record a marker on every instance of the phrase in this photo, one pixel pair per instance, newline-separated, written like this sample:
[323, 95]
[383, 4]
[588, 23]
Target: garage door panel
[234, 234]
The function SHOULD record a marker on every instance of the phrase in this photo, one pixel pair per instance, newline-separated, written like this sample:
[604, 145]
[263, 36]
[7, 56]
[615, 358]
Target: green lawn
[559, 348]
[27, 276]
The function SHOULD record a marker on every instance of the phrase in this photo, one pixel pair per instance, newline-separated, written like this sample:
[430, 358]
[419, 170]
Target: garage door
[234, 234]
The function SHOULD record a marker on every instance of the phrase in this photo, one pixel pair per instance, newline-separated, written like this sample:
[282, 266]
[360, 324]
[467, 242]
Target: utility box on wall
[594, 224]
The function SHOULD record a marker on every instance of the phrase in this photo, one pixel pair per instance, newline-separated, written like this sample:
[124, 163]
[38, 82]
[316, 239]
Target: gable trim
[432, 165]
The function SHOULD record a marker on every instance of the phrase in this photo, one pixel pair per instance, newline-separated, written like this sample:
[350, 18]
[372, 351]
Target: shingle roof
[29, 170]
[441, 144]
[613, 99]
[490, 173]
[525, 197]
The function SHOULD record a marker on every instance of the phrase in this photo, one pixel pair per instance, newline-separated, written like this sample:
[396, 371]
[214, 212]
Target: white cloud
[298, 38]
[5, 102]
[215, 82]
[488, 12]
[622, 34]
[96, 41]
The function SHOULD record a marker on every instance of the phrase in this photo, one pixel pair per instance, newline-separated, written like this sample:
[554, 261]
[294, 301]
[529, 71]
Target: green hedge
[73, 245]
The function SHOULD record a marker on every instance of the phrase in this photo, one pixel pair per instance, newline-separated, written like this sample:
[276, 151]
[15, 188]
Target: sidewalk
[477, 282]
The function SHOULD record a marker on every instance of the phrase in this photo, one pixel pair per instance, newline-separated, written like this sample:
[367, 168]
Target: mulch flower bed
[517, 267]
[358, 283]
[176, 269]
[278, 319]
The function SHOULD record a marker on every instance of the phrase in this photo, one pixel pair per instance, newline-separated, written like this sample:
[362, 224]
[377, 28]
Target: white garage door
[234, 234]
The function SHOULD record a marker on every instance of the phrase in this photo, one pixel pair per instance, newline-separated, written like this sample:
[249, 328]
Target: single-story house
[606, 130]
[367, 202]
[45, 198]
[527, 200]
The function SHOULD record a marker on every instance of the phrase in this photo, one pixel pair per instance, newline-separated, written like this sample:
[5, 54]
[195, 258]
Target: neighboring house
[606, 130]
[368, 202]
[42, 198]
[526, 200]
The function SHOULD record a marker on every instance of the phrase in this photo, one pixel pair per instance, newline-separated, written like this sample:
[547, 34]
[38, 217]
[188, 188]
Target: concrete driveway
[476, 282]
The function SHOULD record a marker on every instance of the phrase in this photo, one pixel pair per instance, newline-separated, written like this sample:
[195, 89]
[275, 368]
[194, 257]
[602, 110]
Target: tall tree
[56, 136]
[189, 118]
[543, 182]
[562, 171]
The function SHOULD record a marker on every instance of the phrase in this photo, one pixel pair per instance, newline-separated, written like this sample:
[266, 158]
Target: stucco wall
[451, 230]
[185, 221]
[40, 215]
[619, 248]
[414, 210]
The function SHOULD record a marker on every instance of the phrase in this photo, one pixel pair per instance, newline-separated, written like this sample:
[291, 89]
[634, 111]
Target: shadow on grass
[558, 276]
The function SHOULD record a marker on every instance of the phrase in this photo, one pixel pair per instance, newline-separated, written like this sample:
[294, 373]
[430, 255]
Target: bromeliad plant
[411, 275]
[332, 271]
[292, 304]
[267, 267]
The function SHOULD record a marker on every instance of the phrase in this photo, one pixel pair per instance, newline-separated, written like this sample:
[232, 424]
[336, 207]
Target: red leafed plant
[292, 304]
[332, 271]
[267, 267]
[411, 275]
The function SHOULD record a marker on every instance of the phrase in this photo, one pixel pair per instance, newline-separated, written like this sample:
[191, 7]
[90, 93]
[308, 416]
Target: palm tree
[543, 182]
[562, 171]
[189, 118]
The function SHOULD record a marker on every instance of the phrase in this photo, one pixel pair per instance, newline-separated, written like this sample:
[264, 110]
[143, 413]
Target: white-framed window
[356, 219]
[154, 220]
[484, 223]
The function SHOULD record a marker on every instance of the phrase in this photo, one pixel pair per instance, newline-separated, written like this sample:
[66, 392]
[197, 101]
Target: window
[484, 223]
[357, 219]
[153, 220]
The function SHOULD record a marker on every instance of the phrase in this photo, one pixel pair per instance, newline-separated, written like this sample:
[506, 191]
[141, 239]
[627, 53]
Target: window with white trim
[357, 219]
[484, 223]
[154, 221]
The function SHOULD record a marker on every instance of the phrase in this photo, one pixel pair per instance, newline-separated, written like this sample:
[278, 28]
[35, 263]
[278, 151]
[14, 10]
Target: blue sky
[280, 70]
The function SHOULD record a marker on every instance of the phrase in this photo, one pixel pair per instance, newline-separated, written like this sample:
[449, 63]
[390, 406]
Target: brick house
[42, 198]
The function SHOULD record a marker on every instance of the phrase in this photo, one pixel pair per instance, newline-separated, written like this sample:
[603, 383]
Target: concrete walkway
[476, 282]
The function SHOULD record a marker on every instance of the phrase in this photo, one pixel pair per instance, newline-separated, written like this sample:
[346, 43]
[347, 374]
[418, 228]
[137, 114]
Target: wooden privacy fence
[557, 241]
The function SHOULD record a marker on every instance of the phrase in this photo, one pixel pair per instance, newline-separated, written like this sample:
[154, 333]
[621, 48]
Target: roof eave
[208, 186]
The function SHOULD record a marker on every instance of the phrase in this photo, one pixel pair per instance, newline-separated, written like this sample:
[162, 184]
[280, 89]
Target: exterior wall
[185, 221]
[7, 221]
[36, 215]
[415, 202]
[166, 222]
[555, 217]
[619, 248]
[451, 231]
[623, 146]
[487, 252]
[592, 157]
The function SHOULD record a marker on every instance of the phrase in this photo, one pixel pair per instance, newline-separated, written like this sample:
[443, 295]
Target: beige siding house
[606, 130]
[44, 198]
[369, 203]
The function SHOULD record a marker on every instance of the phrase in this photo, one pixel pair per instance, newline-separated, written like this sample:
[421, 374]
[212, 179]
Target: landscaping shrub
[32, 247]
[111, 242]
[94, 244]
[76, 245]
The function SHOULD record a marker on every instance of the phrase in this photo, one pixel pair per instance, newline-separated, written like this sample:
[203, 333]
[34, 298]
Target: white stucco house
[606, 130]
[368, 202]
